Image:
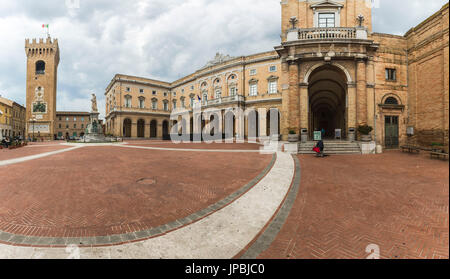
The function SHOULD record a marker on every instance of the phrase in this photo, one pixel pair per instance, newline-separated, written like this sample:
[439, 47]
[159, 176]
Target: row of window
[16, 114]
[74, 126]
[128, 89]
[142, 103]
[273, 89]
[74, 119]
[272, 69]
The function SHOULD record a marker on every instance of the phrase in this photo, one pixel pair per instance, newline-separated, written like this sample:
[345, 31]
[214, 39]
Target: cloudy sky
[161, 39]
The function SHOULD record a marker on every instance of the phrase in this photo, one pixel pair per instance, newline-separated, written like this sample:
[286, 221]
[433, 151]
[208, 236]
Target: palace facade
[12, 119]
[331, 71]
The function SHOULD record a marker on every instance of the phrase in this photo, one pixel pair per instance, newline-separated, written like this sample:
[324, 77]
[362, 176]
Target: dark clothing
[320, 145]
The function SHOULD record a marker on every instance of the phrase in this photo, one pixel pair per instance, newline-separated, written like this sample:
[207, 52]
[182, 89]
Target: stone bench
[410, 149]
[439, 155]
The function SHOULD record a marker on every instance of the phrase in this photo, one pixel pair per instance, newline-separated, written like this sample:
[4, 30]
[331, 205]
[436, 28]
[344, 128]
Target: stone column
[351, 105]
[262, 115]
[370, 93]
[294, 102]
[361, 92]
[120, 126]
[159, 129]
[147, 128]
[133, 128]
[285, 98]
[304, 107]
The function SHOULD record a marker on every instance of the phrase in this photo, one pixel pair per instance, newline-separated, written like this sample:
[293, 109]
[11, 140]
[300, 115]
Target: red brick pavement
[6, 154]
[399, 202]
[95, 191]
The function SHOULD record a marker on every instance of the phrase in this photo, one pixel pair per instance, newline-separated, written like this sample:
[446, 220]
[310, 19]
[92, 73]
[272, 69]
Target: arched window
[40, 67]
[231, 77]
[391, 101]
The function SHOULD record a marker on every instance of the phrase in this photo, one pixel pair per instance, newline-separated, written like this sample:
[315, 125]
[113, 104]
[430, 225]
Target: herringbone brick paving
[97, 191]
[397, 201]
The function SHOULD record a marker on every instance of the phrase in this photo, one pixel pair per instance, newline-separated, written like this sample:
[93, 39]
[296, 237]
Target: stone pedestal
[94, 131]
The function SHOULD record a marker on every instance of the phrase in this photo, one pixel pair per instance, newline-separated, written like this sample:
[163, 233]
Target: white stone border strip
[191, 150]
[34, 157]
[221, 235]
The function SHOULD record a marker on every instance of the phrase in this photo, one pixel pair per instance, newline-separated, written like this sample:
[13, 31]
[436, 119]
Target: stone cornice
[263, 101]
[115, 113]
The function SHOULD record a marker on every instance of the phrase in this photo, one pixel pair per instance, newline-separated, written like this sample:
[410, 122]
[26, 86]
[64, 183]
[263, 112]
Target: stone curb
[265, 239]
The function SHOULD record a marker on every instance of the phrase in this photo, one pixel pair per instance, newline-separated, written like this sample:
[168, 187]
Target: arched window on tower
[40, 67]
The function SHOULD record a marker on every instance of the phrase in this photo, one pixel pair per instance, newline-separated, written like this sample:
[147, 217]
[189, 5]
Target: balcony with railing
[220, 101]
[328, 33]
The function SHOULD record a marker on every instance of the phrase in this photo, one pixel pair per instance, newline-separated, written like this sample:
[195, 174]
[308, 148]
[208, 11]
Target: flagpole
[47, 26]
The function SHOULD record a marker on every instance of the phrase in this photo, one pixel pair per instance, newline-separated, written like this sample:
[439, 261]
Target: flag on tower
[48, 29]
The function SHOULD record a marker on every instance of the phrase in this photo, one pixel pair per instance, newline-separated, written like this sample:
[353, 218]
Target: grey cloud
[162, 39]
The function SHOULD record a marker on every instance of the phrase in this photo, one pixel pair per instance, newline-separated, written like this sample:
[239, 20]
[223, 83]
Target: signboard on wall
[39, 128]
[317, 135]
[338, 134]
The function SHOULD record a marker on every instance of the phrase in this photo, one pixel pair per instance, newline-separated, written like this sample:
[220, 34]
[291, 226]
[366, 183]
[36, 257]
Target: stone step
[333, 153]
[333, 150]
[331, 147]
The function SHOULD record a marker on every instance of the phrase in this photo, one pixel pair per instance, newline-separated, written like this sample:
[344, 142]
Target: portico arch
[318, 65]
[127, 128]
[327, 99]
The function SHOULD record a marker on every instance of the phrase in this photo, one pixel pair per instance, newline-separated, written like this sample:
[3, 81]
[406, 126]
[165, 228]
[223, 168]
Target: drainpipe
[407, 89]
[374, 103]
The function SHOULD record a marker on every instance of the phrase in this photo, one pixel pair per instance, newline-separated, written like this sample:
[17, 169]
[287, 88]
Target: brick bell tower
[42, 70]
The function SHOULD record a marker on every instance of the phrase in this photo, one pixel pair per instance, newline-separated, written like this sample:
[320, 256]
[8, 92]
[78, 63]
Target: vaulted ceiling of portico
[327, 88]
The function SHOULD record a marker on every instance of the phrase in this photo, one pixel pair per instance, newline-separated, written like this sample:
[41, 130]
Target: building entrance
[327, 91]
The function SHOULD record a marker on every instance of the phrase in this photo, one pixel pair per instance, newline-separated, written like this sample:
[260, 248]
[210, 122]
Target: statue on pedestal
[94, 103]
[94, 131]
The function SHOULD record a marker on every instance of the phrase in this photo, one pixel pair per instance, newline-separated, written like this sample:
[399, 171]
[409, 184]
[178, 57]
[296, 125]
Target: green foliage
[365, 129]
[292, 130]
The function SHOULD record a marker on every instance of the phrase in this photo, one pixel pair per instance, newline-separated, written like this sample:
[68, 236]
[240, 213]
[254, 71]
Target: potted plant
[364, 131]
[292, 135]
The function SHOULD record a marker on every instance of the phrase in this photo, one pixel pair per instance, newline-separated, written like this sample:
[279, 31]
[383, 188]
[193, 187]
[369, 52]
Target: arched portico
[325, 101]
[127, 128]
